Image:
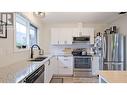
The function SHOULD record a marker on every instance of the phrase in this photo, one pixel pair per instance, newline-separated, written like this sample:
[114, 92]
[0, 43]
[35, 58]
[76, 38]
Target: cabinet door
[85, 32]
[54, 64]
[75, 32]
[95, 65]
[65, 65]
[89, 32]
[91, 35]
[54, 36]
[66, 35]
[48, 72]
[61, 36]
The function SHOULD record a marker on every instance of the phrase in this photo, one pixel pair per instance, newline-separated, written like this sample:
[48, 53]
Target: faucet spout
[32, 49]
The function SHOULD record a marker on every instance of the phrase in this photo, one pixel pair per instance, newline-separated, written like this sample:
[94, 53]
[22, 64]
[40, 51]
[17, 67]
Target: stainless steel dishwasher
[37, 76]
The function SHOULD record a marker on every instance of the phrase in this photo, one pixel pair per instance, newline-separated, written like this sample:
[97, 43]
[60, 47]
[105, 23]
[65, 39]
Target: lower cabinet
[65, 65]
[61, 65]
[51, 68]
[48, 71]
[95, 65]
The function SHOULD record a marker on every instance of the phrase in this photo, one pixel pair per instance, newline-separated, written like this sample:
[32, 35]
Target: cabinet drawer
[65, 71]
[66, 61]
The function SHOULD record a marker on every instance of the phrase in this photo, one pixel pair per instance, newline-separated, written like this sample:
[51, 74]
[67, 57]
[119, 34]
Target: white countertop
[17, 71]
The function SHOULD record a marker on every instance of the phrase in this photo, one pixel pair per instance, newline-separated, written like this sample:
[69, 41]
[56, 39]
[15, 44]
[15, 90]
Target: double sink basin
[38, 59]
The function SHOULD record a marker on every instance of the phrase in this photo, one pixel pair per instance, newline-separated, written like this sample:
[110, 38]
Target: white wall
[7, 54]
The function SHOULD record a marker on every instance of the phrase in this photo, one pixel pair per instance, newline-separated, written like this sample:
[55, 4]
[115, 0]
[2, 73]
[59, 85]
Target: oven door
[83, 63]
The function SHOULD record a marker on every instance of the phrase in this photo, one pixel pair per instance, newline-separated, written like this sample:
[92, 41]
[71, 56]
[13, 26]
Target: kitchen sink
[38, 59]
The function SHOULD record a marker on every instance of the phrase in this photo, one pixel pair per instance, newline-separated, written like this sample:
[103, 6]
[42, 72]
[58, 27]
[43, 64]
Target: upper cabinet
[89, 32]
[64, 36]
[61, 36]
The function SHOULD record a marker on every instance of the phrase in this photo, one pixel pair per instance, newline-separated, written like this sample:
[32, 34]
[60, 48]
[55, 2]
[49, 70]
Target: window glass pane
[21, 35]
[33, 35]
[26, 33]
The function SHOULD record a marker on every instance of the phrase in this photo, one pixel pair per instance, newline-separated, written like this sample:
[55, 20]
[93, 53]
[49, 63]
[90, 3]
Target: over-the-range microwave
[83, 39]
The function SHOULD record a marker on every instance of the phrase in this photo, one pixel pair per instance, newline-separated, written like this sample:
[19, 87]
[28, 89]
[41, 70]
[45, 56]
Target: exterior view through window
[33, 35]
[26, 33]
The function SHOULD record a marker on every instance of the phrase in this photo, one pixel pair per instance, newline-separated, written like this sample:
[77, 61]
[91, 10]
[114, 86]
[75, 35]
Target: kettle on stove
[84, 52]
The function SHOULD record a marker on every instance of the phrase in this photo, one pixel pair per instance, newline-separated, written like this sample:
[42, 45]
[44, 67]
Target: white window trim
[28, 47]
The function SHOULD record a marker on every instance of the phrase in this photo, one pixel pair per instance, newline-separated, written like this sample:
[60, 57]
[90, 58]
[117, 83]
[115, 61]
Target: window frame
[24, 18]
[31, 25]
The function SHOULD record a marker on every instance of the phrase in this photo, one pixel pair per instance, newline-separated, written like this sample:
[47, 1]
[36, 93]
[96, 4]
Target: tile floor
[78, 77]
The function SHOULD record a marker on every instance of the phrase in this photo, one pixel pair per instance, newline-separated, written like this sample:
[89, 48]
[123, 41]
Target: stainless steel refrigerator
[114, 51]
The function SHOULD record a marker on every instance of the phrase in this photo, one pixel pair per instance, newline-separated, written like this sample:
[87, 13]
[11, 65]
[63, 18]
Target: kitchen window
[25, 33]
[33, 35]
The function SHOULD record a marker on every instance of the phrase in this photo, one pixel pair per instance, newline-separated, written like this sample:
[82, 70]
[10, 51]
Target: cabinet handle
[58, 42]
[80, 33]
[49, 62]
[65, 42]
[66, 67]
[65, 59]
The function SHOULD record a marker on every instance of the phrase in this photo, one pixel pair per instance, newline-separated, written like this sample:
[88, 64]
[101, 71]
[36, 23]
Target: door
[82, 63]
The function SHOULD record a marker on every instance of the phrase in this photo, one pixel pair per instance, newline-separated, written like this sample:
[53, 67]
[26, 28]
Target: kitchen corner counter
[113, 77]
[15, 72]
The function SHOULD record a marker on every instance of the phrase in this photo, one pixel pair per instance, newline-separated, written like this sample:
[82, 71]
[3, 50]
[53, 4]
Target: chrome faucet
[32, 50]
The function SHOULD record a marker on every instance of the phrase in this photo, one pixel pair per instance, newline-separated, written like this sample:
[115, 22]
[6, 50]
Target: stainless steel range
[82, 61]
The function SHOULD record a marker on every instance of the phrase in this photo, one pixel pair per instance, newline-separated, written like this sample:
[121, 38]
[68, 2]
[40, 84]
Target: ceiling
[84, 17]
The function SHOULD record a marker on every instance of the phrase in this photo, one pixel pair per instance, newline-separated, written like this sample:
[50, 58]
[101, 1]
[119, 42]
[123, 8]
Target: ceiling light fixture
[40, 14]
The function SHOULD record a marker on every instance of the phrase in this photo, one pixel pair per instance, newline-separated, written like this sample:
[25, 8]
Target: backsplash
[56, 49]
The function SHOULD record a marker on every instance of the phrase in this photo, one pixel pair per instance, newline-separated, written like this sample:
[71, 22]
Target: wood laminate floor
[78, 77]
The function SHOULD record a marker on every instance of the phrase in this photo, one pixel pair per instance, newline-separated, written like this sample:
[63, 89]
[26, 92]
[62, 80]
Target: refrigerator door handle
[104, 46]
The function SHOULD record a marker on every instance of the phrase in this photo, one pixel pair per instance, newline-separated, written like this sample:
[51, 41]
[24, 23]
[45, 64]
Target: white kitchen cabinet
[48, 72]
[55, 36]
[95, 65]
[60, 36]
[91, 35]
[89, 32]
[67, 35]
[54, 63]
[51, 68]
[75, 32]
[84, 32]
[65, 65]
